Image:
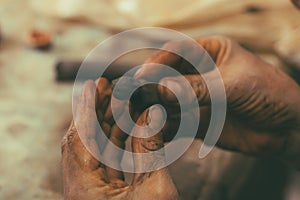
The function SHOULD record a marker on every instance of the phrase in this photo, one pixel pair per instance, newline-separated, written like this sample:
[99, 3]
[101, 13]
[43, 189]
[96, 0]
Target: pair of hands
[86, 178]
[262, 119]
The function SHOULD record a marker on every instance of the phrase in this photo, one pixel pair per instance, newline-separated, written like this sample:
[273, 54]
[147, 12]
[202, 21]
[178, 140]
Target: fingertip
[145, 69]
[101, 82]
[149, 71]
[97, 81]
[103, 94]
[169, 89]
[89, 85]
[157, 117]
[89, 88]
[85, 117]
[88, 96]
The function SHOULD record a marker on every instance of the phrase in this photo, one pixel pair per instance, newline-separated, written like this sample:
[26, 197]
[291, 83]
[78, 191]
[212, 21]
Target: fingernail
[157, 118]
[173, 88]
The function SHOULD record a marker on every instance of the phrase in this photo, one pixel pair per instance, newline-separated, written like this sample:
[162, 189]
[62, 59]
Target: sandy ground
[35, 111]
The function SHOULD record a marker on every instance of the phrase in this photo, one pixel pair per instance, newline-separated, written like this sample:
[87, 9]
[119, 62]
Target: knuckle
[216, 42]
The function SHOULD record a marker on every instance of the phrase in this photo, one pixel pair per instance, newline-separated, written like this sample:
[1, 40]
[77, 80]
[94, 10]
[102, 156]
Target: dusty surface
[35, 110]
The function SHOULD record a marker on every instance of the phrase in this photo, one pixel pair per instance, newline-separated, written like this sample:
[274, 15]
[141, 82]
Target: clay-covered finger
[149, 160]
[103, 96]
[115, 148]
[117, 106]
[147, 141]
[81, 134]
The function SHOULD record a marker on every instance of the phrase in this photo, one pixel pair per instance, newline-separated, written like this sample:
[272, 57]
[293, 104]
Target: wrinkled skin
[85, 178]
[262, 119]
[263, 114]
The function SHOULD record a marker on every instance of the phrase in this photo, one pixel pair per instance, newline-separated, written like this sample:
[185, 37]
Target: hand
[85, 178]
[263, 103]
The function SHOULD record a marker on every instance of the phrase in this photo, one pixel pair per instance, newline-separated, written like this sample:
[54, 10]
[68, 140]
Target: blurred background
[35, 107]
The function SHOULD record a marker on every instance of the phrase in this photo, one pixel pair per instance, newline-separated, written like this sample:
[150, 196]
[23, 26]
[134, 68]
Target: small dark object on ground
[66, 70]
[253, 9]
[40, 40]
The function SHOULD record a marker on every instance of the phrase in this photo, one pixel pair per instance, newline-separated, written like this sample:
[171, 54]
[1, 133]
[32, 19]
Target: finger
[147, 142]
[191, 90]
[186, 57]
[175, 93]
[178, 55]
[103, 97]
[184, 90]
[115, 115]
[149, 155]
[114, 153]
[114, 110]
[218, 47]
[81, 134]
[114, 149]
[107, 104]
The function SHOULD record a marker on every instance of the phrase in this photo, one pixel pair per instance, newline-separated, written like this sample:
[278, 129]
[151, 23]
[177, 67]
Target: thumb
[186, 90]
[151, 175]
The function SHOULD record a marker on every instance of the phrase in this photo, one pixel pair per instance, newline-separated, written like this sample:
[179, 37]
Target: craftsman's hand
[85, 178]
[263, 116]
